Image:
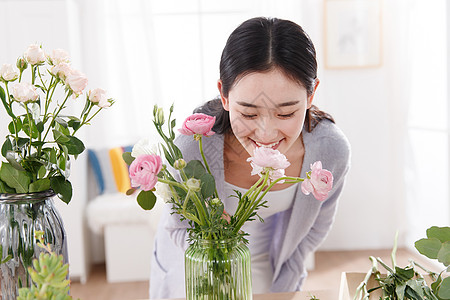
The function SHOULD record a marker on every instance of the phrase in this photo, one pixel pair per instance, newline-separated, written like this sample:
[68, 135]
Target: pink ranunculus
[320, 182]
[76, 81]
[198, 124]
[268, 160]
[144, 170]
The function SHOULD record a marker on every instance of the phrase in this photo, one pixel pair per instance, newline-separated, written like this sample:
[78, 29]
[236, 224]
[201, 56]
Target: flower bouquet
[41, 136]
[190, 188]
[37, 155]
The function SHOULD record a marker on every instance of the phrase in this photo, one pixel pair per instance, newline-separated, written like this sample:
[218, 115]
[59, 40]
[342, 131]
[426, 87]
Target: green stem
[10, 108]
[200, 145]
[56, 114]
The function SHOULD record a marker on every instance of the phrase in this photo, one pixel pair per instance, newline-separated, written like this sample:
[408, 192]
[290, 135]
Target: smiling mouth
[272, 145]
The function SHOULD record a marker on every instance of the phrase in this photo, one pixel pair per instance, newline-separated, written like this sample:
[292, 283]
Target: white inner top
[260, 233]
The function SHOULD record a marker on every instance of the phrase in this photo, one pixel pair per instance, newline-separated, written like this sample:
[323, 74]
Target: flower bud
[159, 116]
[21, 63]
[193, 184]
[179, 164]
[215, 201]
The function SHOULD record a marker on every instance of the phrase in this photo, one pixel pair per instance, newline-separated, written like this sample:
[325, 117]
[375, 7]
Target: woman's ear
[225, 102]
[310, 98]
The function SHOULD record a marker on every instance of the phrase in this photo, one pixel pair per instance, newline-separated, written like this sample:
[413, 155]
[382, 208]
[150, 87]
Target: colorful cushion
[110, 170]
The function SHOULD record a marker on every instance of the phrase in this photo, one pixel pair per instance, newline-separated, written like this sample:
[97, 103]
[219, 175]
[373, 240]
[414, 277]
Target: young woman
[268, 77]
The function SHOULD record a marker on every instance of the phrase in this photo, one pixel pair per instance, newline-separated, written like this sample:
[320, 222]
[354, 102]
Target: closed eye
[248, 116]
[286, 116]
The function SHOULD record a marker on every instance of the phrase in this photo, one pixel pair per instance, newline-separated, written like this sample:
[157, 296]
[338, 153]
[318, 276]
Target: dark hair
[260, 45]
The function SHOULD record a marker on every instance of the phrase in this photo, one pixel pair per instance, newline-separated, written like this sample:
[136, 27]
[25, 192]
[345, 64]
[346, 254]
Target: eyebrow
[284, 104]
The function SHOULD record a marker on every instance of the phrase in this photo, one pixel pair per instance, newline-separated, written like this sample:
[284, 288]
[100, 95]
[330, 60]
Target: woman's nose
[266, 130]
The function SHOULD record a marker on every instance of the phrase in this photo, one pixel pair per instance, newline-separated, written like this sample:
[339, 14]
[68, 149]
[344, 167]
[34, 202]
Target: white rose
[58, 56]
[35, 55]
[61, 70]
[163, 191]
[24, 92]
[98, 96]
[7, 73]
[76, 81]
[143, 146]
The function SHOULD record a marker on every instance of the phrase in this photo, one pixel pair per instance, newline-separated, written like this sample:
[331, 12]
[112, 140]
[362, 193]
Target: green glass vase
[218, 270]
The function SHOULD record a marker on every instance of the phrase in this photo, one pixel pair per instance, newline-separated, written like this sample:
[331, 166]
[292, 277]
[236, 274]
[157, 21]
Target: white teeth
[267, 146]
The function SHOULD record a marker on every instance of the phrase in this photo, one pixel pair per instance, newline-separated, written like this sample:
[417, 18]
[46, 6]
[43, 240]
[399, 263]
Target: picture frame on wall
[352, 33]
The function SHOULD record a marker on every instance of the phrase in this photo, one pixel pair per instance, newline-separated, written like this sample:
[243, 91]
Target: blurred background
[383, 67]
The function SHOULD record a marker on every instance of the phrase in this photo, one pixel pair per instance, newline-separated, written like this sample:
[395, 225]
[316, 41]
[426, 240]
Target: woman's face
[267, 110]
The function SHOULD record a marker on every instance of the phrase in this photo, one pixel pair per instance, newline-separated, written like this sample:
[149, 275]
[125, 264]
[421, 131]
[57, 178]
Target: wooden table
[307, 295]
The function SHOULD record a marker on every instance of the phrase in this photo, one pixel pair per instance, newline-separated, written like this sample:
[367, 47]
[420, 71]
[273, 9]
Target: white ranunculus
[34, 54]
[143, 146]
[7, 73]
[61, 70]
[58, 56]
[98, 96]
[24, 92]
[193, 184]
[163, 191]
[76, 81]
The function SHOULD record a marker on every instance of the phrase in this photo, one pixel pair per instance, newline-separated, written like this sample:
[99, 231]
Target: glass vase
[21, 215]
[218, 270]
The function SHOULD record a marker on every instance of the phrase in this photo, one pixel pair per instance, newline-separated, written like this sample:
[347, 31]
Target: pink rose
[76, 81]
[198, 124]
[24, 92]
[319, 182]
[268, 160]
[98, 96]
[61, 70]
[7, 73]
[34, 54]
[58, 56]
[144, 170]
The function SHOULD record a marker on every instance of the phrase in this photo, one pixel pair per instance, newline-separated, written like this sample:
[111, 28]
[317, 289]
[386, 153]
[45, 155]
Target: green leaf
[440, 233]
[62, 188]
[444, 254]
[61, 122]
[195, 169]
[74, 145]
[5, 104]
[14, 178]
[428, 247]
[208, 185]
[15, 129]
[75, 123]
[404, 273]
[4, 188]
[40, 185]
[7, 146]
[22, 142]
[127, 158]
[146, 199]
[27, 127]
[60, 137]
[444, 291]
[167, 155]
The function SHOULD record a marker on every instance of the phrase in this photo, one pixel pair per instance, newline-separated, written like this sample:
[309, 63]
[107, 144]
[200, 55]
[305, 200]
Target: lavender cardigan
[298, 231]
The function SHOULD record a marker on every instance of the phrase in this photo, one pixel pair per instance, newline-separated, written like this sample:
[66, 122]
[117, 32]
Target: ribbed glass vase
[21, 215]
[218, 270]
